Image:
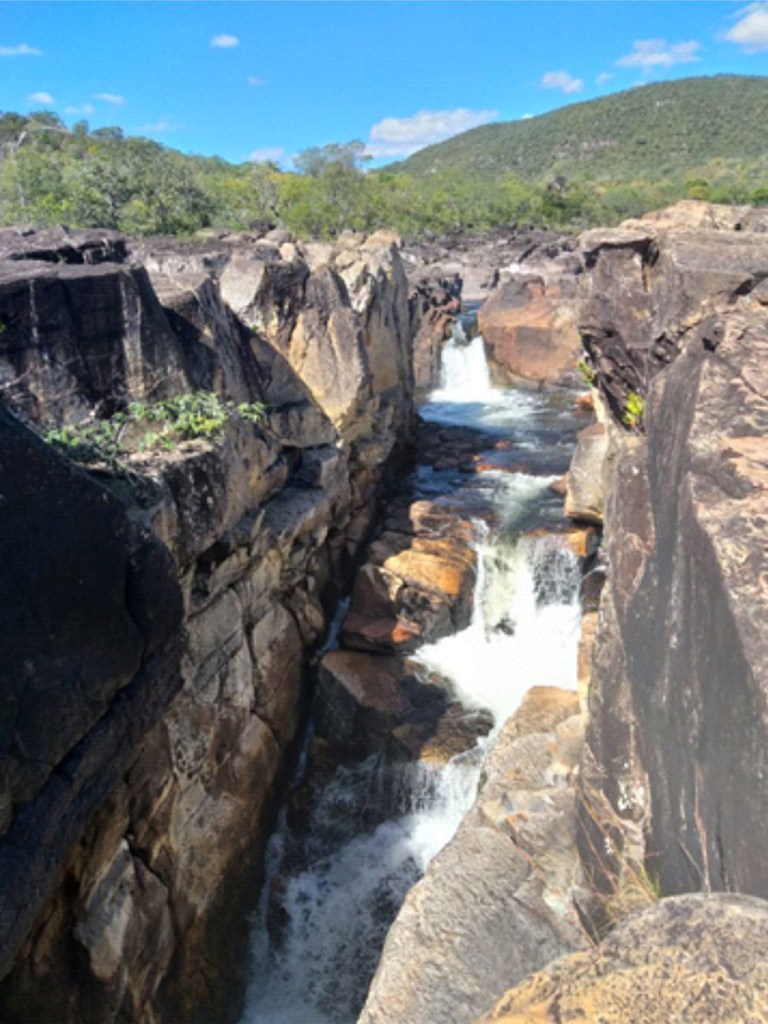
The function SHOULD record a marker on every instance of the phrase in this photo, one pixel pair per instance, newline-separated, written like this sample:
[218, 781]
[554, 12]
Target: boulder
[695, 959]
[528, 324]
[369, 702]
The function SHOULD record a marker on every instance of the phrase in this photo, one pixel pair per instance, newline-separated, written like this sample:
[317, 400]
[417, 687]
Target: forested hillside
[585, 164]
[653, 131]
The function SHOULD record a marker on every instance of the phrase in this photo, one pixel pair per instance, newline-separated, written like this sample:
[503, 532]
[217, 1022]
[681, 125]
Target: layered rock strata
[162, 618]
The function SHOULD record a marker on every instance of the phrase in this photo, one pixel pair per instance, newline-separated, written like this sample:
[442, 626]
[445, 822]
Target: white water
[523, 633]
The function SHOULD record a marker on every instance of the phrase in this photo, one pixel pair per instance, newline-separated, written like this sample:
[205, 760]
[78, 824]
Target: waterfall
[524, 630]
[329, 916]
[464, 370]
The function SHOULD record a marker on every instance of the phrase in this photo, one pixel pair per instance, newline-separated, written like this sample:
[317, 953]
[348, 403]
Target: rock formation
[163, 617]
[693, 958]
[674, 312]
[528, 322]
[500, 900]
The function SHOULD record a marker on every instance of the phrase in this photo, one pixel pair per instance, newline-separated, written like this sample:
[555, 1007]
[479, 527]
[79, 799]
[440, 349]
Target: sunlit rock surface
[695, 959]
[528, 322]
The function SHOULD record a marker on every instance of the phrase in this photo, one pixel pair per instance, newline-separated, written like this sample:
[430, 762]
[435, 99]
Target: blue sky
[265, 80]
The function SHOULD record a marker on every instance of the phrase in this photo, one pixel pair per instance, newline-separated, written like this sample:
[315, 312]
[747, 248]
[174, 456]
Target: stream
[374, 827]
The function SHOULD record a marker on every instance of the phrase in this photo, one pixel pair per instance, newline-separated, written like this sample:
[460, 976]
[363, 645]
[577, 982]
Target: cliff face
[675, 311]
[156, 677]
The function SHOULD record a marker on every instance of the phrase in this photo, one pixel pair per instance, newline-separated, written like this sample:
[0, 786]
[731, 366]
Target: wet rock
[361, 698]
[698, 959]
[499, 900]
[416, 585]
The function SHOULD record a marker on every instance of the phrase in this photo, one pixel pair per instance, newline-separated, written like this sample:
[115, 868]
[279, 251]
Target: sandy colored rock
[417, 584]
[688, 960]
[499, 898]
[584, 497]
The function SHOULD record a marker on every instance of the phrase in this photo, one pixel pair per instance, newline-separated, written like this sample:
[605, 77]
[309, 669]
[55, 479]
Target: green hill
[647, 132]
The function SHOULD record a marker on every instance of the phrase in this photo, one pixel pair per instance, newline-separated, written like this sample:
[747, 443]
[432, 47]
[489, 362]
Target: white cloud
[658, 53]
[224, 41]
[562, 80]
[255, 80]
[401, 136]
[526, 117]
[273, 153]
[22, 50]
[751, 31]
[41, 97]
[84, 108]
[110, 97]
[603, 77]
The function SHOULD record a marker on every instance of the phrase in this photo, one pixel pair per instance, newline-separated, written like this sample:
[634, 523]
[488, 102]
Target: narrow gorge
[329, 699]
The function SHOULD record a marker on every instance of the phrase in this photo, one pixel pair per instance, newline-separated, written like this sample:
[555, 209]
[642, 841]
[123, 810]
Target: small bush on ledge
[155, 427]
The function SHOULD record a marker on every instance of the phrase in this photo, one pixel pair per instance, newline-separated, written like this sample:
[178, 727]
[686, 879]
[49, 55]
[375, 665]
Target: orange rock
[529, 328]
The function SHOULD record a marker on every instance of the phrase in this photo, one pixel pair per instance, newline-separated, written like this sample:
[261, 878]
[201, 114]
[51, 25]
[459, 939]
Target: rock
[361, 698]
[584, 497]
[369, 702]
[434, 301]
[649, 282]
[677, 757]
[698, 959]
[140, 815]
[108, 310]
[58, 245]
[416, 585]
[92, 598]
[529, 327]
[499, 900]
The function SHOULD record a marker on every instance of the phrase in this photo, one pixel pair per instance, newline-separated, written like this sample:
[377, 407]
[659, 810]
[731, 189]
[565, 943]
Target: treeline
[51, 174]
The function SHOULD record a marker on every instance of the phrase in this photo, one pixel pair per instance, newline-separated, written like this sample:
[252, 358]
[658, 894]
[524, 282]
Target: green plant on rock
[588, 375]
[634, 410]
[150, 427]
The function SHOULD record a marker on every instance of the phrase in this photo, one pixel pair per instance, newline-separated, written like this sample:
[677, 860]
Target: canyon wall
[674, 322]
[163, 611]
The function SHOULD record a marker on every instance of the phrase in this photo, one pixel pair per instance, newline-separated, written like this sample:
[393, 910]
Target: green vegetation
[633, 414]
[588, 163]
[159, 426]
[588, 375]
[648, 132]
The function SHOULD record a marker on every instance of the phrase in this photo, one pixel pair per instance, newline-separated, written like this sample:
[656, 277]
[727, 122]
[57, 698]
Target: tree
[319, 160]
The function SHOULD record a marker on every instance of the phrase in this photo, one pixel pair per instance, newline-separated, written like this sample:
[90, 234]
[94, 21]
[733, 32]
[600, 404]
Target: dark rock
[678, 725]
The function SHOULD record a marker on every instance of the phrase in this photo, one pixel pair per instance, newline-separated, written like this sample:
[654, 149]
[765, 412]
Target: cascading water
[322, 924]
